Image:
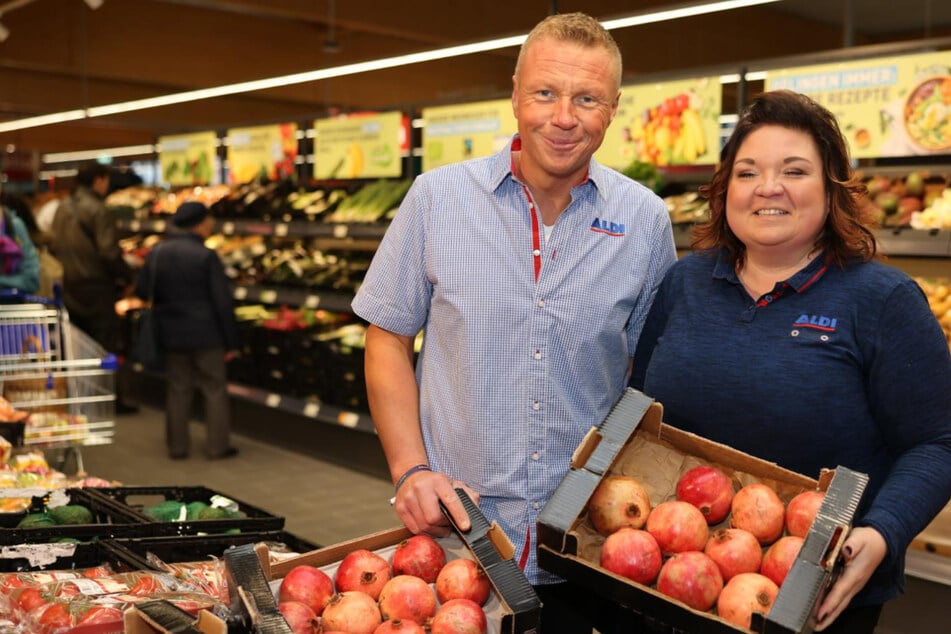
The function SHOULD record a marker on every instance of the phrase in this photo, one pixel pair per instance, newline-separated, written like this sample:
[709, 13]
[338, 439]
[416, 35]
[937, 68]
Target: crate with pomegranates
[694, 533]
[413, 583]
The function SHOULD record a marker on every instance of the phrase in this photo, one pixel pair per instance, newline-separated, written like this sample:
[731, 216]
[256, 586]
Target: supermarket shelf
[928, 565]
[295, 229]
[332, 301]
[307, 408]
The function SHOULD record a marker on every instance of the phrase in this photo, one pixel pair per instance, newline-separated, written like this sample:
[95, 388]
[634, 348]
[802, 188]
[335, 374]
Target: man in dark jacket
[192, 301]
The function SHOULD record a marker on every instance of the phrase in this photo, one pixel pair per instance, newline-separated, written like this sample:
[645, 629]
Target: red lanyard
[536, 236]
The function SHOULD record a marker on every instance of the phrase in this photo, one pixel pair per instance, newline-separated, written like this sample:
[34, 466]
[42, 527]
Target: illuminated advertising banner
[364, 145]
[457, 133]
[188, 159]
[669, 123]
[262, 152]
[895, 106]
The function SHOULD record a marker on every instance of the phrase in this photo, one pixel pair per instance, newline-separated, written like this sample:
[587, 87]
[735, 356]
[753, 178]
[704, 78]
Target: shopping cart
[56, 373]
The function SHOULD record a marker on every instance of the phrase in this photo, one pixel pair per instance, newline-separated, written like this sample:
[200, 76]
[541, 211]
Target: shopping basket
[56, 373]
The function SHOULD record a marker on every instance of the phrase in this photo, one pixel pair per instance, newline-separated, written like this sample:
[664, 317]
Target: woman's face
[776, 199]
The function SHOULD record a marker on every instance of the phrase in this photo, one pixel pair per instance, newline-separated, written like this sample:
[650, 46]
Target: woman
[781, 336]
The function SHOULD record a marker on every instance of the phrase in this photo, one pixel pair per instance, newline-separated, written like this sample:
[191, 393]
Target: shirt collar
[799, 281]
[503, 163]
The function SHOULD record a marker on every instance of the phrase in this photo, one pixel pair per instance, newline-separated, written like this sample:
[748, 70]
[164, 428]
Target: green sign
[359, 146]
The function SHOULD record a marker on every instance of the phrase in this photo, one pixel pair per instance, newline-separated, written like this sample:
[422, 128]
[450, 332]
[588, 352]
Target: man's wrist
[409, 472]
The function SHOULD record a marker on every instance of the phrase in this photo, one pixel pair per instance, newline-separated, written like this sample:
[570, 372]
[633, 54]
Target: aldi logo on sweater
[607, 228]
[818, 322]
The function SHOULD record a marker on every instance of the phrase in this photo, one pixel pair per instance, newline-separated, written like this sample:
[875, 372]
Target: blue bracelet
[406, 474]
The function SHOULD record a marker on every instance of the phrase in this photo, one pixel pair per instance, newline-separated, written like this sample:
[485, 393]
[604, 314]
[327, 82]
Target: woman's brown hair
[847, 234]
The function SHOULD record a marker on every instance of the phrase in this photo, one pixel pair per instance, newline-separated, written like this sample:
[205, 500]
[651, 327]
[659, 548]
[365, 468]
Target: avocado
[213, 513]
[167, 511]
[36, 520]
[71, 514]
[192, 510]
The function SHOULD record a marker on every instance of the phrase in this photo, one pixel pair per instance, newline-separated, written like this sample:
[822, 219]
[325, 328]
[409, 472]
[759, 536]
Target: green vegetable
[71, 514]
[214, 513]
[36, 520]
[167, 511]
[194, 509]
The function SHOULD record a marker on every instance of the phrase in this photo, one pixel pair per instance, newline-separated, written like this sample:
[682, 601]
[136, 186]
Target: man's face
[101, 185]
[564, 97]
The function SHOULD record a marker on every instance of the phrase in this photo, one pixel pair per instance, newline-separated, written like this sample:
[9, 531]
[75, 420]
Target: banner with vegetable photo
[188, 159]
[262, 152]
[363, 145]
[895, 106]
[670, 123]
[456, 133]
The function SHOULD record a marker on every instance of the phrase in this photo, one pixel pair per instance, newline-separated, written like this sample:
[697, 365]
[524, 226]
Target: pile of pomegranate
[714, 547]
[414, 591]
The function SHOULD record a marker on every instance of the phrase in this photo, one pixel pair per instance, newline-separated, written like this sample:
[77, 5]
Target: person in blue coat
[781, 335]
[19, 261]
[192, 302]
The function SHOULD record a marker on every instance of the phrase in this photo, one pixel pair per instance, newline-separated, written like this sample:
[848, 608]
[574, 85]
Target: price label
[268, 296]
[227, 228]
[312, 301]
[240, 293]
[311, 410]
[273, 400]
[280, 230]
[340, 231]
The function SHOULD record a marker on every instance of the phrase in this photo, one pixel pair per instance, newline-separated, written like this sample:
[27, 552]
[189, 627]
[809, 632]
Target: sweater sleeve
[910, 396]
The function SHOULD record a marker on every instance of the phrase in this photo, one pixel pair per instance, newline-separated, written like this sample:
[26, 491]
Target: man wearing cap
[192, 302]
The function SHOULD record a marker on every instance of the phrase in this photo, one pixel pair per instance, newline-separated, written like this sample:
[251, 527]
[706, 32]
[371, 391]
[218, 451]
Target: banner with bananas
[363, 145]
[669, 123]
[457, 133]
[261, 152]
[188, 159]
[894, 106]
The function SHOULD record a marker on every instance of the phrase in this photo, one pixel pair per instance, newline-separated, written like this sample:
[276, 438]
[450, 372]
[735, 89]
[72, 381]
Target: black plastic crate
[189, 548]
[137, 498]
[109, 520]
[78, 556]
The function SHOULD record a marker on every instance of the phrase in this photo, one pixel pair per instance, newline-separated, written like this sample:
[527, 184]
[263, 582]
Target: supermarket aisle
[323, 503]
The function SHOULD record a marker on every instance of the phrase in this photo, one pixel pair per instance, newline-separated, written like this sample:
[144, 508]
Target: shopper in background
[19, 261]
[50, 270]
[192, 301]
[95, 275]
[531, 272]
[781, 336]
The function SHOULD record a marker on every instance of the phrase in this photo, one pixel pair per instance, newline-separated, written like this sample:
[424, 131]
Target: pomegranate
[299, 617]
[779, 558]
[618, 501]
[632, 553]
[801, 511]
[744, 594]
[309, 585]
[399, 626]
[420, 556]
[407, 597]
[734, 550]
[709, 489]
[678, 527]
[353, 612]
[459, 616]
[691, 577]
[463, 579]
[363, 570]
[757, 509]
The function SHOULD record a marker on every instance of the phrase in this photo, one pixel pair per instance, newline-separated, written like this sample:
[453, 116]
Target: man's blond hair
[573, 28]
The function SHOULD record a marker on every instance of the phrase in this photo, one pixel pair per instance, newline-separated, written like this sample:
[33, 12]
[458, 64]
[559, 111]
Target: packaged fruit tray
[188, 548]
[188, 510]
[74, 514]
[64, 559]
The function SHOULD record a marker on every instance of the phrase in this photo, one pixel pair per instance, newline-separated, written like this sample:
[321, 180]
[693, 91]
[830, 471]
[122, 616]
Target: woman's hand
[417, 503]
[863, 551]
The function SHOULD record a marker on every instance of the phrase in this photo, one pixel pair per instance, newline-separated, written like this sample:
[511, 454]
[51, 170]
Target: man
[531, 272]
[192, 301]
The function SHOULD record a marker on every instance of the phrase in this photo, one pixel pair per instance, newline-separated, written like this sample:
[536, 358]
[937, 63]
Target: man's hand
[417, 503]
[863, 551]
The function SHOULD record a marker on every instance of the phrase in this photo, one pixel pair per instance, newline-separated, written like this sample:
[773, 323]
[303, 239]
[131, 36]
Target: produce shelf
[303, 297]
[294, 229]
[307, 408]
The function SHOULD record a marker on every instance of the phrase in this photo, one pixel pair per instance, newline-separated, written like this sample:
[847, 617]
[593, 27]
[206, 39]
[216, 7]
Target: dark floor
[326, 503]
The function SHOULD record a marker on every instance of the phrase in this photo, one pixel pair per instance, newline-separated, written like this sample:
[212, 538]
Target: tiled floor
[325, 503]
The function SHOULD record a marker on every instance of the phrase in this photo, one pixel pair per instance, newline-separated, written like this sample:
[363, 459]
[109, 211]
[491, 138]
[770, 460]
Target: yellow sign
[456, 133]
[359, 146]
[266, 152]
[188, 159]
[673, 123]
[895, 106]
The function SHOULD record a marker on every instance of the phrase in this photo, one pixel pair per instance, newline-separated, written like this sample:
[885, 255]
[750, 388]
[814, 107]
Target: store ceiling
[61, 55]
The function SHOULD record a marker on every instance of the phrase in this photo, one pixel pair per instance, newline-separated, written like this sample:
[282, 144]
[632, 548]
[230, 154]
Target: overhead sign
[670, 123]
[188, 159]
[895, 106]
[266, 152]
[364, 145]
[457, 133]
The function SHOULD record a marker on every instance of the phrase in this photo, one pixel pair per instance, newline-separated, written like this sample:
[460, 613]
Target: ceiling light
[46, 119]
[94, 4]
[86, 155]
[4, 33]
[363, 67]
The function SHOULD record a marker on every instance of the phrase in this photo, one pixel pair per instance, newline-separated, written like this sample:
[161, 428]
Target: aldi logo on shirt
[818, 322]
[607, 228]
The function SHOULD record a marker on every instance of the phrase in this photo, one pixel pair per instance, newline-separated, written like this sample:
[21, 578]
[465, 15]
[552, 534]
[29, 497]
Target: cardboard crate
[512, 607]
[161, 617]
[633, 441]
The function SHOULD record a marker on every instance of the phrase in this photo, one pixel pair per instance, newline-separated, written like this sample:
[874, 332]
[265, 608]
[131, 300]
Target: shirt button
[534, 455]
[541, 303]
[536, 253]
[535, 505]
[536, 405]
[538, 354]
[768, 298]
